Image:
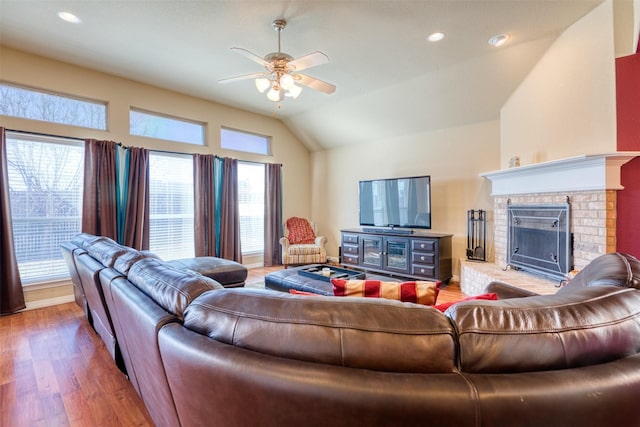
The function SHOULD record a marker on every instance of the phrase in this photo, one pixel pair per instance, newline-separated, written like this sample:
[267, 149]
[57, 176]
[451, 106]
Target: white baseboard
[49, 302]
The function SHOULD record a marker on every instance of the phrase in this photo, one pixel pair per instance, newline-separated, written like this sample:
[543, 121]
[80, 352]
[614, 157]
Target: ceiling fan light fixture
[294, 91]
[274, 94]
[262, 84]
[286, 82]
[499, 39]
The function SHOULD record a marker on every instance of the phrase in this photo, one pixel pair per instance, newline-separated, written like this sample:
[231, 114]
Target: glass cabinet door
[372, 251]
[397, 254]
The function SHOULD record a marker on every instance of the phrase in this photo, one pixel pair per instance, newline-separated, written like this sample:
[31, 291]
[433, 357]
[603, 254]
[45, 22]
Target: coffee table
[291, 278]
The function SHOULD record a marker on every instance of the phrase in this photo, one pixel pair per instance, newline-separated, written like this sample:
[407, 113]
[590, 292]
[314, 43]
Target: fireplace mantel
[580, 173]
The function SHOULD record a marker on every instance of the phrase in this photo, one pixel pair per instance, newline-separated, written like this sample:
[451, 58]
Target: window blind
[171, 219]
[251, 206]
[45, 190]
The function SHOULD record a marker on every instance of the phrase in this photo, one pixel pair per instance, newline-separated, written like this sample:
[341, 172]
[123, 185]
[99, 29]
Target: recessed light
[69, 17]
[435, 37]
[499, 39]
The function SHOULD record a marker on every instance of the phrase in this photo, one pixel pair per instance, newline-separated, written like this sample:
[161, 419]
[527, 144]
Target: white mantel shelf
[581, 173]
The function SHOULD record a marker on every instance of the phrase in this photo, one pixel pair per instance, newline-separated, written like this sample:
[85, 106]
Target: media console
[419, 255]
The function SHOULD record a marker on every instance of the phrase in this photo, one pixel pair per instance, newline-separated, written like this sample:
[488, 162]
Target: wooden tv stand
[416, 255]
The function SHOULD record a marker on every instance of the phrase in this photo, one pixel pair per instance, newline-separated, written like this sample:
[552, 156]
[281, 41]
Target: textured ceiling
[390, 80]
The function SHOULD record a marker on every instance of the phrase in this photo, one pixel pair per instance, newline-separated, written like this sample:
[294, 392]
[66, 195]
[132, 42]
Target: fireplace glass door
[539, 239]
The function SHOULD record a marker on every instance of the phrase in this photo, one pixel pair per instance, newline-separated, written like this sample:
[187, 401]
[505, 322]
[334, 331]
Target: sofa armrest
[284, 242]
[506, 291]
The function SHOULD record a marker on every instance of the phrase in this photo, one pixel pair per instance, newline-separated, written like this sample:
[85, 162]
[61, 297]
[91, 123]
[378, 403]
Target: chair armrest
[321, 241]
[506, 291]
[284, 242]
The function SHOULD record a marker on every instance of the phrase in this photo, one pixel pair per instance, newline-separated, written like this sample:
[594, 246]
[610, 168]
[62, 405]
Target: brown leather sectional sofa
[199, 354]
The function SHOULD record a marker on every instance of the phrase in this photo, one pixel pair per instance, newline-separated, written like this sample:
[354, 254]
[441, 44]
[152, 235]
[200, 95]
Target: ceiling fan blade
[314, 83]
[243, 77]
[252, 56]
[310, 60]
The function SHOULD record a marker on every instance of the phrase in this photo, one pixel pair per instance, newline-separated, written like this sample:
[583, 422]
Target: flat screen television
[396, 202]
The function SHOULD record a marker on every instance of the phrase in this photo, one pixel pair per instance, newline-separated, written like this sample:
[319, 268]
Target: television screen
[396, 202]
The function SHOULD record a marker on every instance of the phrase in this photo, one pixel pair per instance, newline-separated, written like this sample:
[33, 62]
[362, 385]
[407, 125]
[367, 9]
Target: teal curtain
[217, 176]
[122, 189]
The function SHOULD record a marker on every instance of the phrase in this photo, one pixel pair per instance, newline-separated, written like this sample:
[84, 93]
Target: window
[32, 104]
[171, 220]
[251, 206]
[243, 141]
[164, 127]
[45, 189]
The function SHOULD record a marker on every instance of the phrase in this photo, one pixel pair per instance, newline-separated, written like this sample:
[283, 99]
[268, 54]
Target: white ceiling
[390, 80]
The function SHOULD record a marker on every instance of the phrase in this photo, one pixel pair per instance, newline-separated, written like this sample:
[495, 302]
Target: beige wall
[41, 73]
[453, 157]
[566, 106]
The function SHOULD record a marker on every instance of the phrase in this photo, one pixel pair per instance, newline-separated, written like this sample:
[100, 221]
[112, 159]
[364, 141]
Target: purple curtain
[11, 295]
[205, 205]
[229, 214]
[99, 193]
[136, 224]
[272, 214]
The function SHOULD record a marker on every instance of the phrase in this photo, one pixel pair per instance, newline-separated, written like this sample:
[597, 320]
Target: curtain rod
[50, 135]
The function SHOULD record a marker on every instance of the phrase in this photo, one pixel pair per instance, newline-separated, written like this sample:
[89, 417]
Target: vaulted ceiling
[390, 80]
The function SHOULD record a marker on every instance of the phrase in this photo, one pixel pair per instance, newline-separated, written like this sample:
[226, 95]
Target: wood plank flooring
[55, 370]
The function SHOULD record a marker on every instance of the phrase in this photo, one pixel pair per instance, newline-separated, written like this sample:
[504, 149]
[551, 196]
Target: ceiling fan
[281, 75]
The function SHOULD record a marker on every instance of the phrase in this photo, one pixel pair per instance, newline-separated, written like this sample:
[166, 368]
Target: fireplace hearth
[539, 239]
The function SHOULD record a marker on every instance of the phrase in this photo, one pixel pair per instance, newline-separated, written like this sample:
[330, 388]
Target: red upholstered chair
[301, 245]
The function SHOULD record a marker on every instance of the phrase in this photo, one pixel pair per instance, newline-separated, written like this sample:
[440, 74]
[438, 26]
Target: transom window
[37, 105]
[45, 189]
[244, 141]
[153, 125]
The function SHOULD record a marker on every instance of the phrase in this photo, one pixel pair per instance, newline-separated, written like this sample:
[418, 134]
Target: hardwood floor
[56, 371]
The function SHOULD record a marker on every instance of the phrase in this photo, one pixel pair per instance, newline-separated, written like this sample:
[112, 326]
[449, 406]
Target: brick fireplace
[591, 184]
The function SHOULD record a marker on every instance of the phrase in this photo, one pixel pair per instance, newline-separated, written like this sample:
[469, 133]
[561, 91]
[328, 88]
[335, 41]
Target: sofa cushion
[383, 335]
[85, 240]
[592, 325]
[420, 292]
[614, 269]
[125, 261]
[170, 288]
[445, 305]
[106, 251]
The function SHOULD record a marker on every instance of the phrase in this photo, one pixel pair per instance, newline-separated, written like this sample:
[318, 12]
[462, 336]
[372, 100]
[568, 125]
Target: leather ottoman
[229, 274]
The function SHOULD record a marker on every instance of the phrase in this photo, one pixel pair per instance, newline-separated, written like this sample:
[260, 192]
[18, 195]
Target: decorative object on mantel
[282, 71]
[514, 161]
